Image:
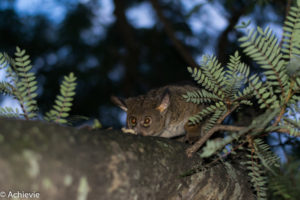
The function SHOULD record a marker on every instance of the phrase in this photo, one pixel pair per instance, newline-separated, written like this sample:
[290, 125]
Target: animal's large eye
[147, 121]
[132, 121]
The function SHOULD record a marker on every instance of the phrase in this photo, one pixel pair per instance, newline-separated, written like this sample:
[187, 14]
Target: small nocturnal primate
[161, 112]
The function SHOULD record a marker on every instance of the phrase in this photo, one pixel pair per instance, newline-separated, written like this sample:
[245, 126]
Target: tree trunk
[57, 162]
[131, 54]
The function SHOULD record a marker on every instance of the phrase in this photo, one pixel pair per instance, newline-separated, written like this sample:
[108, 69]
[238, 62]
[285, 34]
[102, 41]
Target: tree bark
[66, 163]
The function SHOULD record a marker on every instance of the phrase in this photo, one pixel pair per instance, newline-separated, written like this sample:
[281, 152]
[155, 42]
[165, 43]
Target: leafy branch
[21, 84]
[63, 102]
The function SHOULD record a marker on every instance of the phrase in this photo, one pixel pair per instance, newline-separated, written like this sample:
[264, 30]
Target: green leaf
[64, 115]
[63, 101]
[62, 121]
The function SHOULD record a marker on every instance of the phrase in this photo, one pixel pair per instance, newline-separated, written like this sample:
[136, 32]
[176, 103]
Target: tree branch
[195, 147]
[227, 113]
[191, 150]
[131, 55]
[67, 163]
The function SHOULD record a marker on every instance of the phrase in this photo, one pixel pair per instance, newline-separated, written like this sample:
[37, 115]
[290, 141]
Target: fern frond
[295, 99]
[297, 85]
[246, 102]
[227, 86]
[206, 112]
[9, 112]
[261, 122]
[292, 128]
[211, 122]
[291, 119]
[293, 122]
[63, 102]
[286, 184]
[246, 93]
[260, 161]
[201, 96]
[294, 131]
[279, 187]
[263, 48]
[233, 87]
[236, 76]
[257, 175]
[4, 62]
[291, 34]
[210, 75]
[26, 86]
[266, 156]
[6, 88]
[263, 92]
[8, 64]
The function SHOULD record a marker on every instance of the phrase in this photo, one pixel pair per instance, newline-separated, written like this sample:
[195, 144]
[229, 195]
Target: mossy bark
[66, 163]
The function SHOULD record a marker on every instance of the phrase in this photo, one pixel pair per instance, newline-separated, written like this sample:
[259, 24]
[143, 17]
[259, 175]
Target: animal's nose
[140, 133]
[144, 133]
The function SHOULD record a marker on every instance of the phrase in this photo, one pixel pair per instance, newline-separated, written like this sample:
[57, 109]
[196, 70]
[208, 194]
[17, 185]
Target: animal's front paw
[129, 130]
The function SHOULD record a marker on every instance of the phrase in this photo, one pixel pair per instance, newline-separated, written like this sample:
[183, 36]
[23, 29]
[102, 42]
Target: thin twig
[283, 109]
[208, 134]
[227, 113]
[191, 150]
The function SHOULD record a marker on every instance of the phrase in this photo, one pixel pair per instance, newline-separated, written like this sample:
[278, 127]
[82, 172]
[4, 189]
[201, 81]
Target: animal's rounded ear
[119, 102]
[164, 102]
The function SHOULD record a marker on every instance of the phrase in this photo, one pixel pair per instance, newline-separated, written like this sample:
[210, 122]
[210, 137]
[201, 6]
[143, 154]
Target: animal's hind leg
[193, 132]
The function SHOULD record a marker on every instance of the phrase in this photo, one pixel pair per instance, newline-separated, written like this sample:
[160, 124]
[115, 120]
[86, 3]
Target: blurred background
[126, 47]
[123, 48]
